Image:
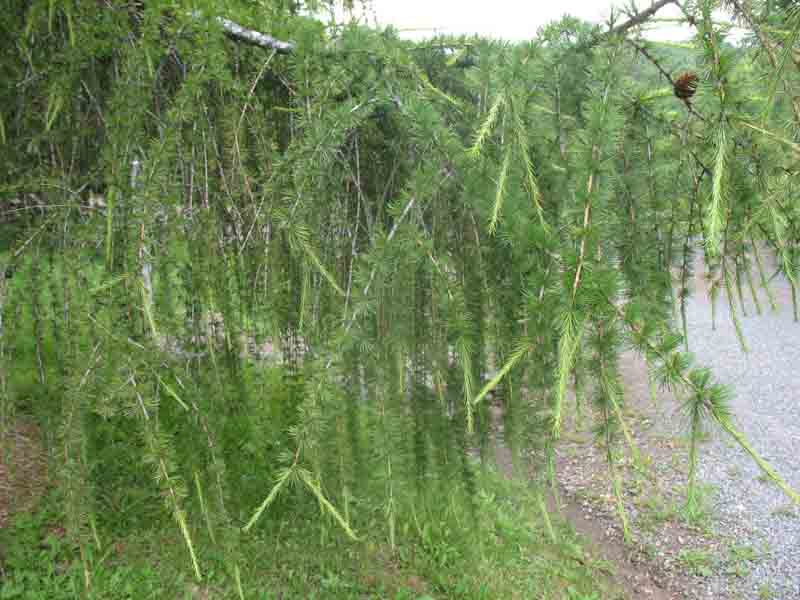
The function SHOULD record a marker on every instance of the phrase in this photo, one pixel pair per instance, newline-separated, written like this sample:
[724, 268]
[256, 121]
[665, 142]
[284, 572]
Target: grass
[698, 561]
[739, 560]
[743, 553]
[700, 514]
[303, 557]
[657, 510]
[765, 592]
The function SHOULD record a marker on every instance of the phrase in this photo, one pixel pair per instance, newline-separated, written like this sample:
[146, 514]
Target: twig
[389, 239]
[743, 10]
[644, 52]
[354, 315]
[27, 242]
[639, 18]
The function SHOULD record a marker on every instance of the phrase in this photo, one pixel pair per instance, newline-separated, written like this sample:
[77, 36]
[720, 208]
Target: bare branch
[640, 17]
[635, 20]
[256, 38]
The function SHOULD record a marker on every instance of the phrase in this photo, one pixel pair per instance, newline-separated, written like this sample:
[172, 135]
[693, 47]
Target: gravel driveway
[766, 403]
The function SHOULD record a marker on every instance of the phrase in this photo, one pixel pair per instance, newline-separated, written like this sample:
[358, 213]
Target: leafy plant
[700, 562]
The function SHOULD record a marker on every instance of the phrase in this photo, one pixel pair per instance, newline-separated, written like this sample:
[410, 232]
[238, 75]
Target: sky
[507, 19]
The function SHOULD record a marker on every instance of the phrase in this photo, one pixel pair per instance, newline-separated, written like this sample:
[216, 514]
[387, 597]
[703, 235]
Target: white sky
[507, 19]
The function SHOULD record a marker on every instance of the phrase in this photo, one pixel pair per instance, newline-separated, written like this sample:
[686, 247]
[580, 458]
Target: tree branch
[635, 20]
[262, 40]
[644, 52]
[747, 15]
[639, 17]
[255, 38]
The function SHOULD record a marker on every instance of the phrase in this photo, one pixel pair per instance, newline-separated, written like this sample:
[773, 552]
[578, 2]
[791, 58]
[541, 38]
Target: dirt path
[628, 578]
[765, 382]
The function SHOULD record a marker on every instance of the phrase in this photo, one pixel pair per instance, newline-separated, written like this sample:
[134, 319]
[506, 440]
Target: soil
[668, 556]
[23, 469]
[628, 579]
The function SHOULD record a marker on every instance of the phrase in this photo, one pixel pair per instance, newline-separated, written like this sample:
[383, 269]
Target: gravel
[766, 405]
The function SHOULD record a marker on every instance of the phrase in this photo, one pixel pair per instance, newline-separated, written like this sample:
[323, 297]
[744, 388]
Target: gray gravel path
[766, 385]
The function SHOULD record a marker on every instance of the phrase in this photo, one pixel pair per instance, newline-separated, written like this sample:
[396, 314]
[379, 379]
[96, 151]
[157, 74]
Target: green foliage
[700, 562]
[508, 555]
[253, 287]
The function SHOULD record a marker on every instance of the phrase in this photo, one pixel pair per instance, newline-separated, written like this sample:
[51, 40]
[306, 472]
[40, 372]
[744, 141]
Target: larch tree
[411, 228]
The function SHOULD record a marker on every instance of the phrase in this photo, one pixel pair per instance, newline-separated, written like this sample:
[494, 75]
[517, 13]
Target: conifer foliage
[254, 279]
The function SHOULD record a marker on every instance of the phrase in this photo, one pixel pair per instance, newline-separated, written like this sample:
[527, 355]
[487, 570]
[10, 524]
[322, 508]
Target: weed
[737, 569]
[765, 592]
[699, 512]
[743, 553]
[656, 511]
[699, 562]
[40, 563]
[573, 594]
[650, 550]
[739, 559]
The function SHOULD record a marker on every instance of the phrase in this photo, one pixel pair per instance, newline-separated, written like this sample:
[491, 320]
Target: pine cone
[685, 85]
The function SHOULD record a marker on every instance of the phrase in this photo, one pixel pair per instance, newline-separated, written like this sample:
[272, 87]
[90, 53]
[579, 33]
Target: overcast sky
[507, 19]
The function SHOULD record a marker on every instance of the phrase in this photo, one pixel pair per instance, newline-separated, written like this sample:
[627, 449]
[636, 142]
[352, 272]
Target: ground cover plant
[260, 296]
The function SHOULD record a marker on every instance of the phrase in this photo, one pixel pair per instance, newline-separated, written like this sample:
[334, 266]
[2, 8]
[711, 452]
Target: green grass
[700, 514]
[739, 560]
[306, 557]
[657, 510]
[765, 592]
[699, 562]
